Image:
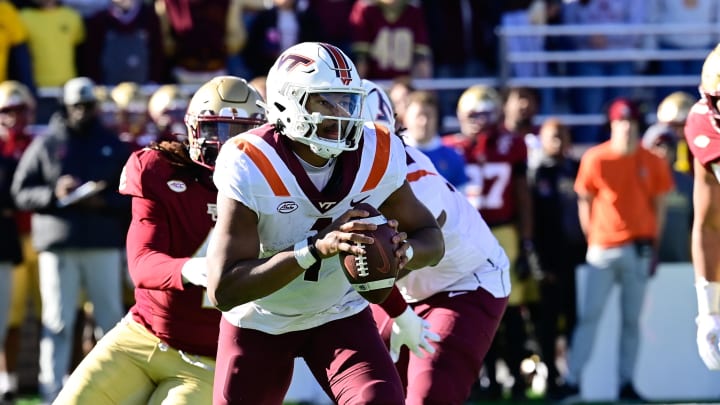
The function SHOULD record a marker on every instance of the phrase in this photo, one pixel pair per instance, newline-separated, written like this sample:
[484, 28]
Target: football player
[133, 122]
[673, 110]
[285, 211]
[17, 113]
[496, 164]
[463, 297]
[163, 351]
[702, 132]
[166, 108]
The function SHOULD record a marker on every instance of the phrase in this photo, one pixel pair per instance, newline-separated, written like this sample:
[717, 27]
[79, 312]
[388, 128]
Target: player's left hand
[708, 340]
[412, 331]
[194, 271]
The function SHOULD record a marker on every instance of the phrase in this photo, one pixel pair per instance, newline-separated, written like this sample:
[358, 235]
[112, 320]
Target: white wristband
[708, 296]
[303, 255]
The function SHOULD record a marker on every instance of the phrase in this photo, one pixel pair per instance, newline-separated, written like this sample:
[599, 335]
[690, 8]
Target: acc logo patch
[177, 186]
[701, 141]
[287, 207]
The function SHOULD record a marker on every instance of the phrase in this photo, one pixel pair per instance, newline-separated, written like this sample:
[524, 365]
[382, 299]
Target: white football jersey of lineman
[259, 169]
[473, 257]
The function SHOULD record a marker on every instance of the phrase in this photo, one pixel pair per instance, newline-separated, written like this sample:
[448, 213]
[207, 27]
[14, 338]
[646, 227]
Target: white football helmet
[312, 68]
[378, 107]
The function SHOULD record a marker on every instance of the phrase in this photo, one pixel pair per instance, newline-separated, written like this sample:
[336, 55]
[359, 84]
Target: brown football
[373, 274]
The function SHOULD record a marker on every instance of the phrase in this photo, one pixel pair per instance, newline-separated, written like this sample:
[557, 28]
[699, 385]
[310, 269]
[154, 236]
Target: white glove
[708, 340]
[194, 271]
[708, 322]
[412, 331]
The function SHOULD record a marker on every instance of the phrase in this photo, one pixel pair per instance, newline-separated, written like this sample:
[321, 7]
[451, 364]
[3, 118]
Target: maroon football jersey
[702, 135]
[173, 211]
[493, 160]
[391, 46]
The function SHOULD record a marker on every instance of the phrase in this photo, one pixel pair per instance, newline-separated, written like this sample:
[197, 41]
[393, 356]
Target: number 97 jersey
[494, 160]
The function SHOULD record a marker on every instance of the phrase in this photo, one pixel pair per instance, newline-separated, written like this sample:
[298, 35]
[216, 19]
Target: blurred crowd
[127, 70]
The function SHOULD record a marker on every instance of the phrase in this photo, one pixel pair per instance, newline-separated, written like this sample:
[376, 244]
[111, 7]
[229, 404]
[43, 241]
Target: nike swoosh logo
[456, 293]
[354, 203]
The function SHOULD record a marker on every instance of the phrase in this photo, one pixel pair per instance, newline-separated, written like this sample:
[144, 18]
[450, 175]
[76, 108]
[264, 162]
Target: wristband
[313, 250]
[304, 255]
[708, 296]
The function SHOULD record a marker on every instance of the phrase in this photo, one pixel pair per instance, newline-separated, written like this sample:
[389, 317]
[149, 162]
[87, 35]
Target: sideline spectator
[519, 13]
[398, 92]
[621, 188]
[661, 139]
[124, 44]
[15, 59]
[54, 33]
[421, 132]
[559, 241]
[390, 39]
[463, 40]
[276, 29]
[200, 36]
[591, 100]
[688, 12]
[79, 239]
[336, 33]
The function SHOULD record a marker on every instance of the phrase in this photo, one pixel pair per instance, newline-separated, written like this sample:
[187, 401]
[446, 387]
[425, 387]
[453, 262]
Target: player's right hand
[708, 340]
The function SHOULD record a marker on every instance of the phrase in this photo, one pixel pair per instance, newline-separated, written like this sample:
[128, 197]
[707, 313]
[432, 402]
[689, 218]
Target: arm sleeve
[30, 189]
[147, 241]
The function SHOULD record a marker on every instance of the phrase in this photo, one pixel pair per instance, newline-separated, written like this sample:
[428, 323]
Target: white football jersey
[258, 169]
[473, 257]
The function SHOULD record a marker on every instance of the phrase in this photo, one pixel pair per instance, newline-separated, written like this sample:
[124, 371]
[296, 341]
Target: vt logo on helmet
[323, 77]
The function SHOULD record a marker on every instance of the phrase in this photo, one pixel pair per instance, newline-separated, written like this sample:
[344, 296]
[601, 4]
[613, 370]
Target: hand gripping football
[373, 274]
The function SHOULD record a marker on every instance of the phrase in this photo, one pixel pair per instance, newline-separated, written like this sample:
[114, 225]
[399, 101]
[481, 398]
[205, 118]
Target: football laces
[361, 263]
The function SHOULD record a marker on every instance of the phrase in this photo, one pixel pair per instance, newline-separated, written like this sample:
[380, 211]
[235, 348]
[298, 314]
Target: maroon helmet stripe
[341, 66]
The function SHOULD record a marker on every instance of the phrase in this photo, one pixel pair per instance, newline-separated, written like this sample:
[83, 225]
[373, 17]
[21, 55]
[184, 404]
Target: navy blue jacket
[95, 154]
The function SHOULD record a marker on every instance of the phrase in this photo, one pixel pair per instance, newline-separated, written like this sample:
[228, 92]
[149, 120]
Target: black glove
[527, 264]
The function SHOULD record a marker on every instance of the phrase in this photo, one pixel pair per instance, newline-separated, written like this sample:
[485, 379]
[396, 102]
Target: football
[373, 274]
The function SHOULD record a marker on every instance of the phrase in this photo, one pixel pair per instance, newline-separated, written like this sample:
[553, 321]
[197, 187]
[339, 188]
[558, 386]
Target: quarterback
[163, 351]
[286, 193]
[463, 297]
[702, 132]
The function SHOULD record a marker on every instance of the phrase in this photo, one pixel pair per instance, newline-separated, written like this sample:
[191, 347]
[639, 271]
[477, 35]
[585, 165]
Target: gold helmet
[128, 96]
[14, 94]
[479, 98]
[674, 108]
[221, 108]
[710, 81]
[106, 105]
[168, 97]
[132, 106]
[18, 107]
[478, 108]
